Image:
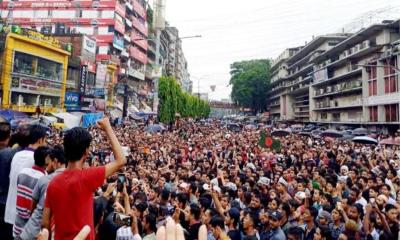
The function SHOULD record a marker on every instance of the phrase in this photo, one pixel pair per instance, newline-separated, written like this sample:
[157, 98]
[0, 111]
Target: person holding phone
[70, 194]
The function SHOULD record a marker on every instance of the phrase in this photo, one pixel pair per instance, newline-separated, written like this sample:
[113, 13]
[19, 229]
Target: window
[373, 114]
[36, 66]
[324, 116]
[372, 71]
[392, 113]
[111, 28]
[391, 78]
[91, 79]
[336, 117]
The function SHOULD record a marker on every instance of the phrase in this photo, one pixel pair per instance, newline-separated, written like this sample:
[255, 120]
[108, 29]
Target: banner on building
[82, 81]
[101, 75]
[320, 75]
[89, 44]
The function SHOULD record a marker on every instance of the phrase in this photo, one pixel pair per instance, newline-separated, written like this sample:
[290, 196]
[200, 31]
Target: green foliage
[173, 100]
[250, 83]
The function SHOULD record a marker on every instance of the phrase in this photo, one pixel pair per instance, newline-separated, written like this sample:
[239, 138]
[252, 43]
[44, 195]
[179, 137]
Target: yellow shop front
[34, 73]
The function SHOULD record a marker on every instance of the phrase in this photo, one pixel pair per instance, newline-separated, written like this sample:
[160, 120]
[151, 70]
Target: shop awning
[70, 120]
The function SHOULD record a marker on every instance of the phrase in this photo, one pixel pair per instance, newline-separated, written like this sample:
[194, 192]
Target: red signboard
[104, 39]
[139, 40]
[141, 27]
[120, 9]
[91, 66]
[119, 27]
[138, 55]
[100, 57]
[139, 9]
[57, 4]
[66, 21]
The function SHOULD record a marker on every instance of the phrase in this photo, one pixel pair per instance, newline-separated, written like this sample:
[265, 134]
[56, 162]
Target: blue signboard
[96, 92]
[71, 99]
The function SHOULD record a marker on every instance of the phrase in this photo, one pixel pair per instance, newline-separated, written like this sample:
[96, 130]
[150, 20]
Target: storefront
[34, 73]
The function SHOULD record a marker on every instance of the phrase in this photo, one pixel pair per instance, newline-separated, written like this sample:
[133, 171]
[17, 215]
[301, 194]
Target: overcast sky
[234, 30]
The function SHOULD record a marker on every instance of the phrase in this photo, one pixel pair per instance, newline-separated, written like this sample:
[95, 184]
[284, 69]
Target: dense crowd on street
[121, 182]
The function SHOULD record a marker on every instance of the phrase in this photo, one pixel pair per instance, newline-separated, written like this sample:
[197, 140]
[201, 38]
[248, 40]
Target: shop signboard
[101, 75]
[135, 73]
[89, 44]
[82, 81]
[35, 86]
[95, 92]
[71, 99]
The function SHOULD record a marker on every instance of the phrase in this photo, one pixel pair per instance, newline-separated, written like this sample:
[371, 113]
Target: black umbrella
[308, 134]
[360, 132]
[365, 140]
[331, 133]
[280, 133]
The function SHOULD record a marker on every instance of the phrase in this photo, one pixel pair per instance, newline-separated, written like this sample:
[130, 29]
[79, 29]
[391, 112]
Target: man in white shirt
[21, 160]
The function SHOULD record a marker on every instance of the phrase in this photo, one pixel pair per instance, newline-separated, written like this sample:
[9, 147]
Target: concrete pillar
[381, 113]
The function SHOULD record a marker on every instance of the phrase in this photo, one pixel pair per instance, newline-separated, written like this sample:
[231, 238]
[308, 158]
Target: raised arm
[120, 159]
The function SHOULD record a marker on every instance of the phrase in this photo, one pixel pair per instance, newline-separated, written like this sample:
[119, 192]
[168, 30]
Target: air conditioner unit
[329, 89]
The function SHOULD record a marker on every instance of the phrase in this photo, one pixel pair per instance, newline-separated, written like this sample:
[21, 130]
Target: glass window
[36, 66]
[91, 79]
[392, 113]
[24, 63]
[48, 69]
[373, 113]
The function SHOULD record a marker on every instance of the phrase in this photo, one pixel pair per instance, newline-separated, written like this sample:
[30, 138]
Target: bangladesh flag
[276, 145]
[261, 142]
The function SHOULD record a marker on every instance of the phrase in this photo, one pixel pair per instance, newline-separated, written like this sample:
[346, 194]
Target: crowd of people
[120, 182]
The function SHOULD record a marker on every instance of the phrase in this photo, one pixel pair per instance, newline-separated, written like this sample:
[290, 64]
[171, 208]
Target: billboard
[71, 99]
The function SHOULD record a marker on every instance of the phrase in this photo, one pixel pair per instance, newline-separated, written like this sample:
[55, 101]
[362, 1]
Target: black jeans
[5, 228]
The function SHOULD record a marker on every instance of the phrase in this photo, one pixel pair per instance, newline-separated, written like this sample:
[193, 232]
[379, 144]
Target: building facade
[118, 27]
[340, 79]
[357, 80]
[33, 71]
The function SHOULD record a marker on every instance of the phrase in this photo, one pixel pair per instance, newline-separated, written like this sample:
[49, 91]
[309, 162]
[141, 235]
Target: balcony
[124, 53]
[352, 73]
[352, 89]
[138, 55]
[127, 37]
[333, 105]
[141, 27]
[128, 22]
[139, 9]
[120, 8]
[139, 40]
[129, 6]
[136, 73]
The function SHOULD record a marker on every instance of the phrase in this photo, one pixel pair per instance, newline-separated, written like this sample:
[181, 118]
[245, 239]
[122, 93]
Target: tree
[173, 100]
[250, 82]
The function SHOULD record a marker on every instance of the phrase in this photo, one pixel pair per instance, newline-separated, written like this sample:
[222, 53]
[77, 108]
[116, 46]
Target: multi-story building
[357, 82]
[278, 76]
[119, 28]
[33, 71]
[341, 79]
[295, 98]
[89, 84]
[172, 58]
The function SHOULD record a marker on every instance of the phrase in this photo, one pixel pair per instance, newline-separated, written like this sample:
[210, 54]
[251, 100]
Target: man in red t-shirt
[69, 196]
